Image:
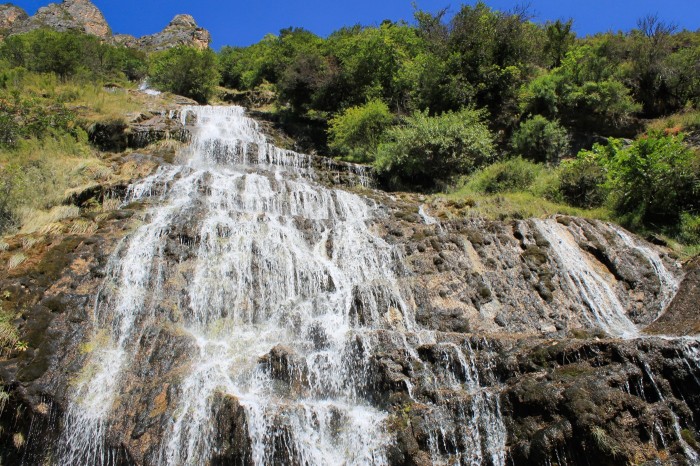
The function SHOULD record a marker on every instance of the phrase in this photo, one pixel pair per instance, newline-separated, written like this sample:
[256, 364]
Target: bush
[511, 175]
[426, 151]
[185, 71]
[655, 179]
[541, 140]
[690, 228]
[582, 181]
[25, 118]
[356, 132]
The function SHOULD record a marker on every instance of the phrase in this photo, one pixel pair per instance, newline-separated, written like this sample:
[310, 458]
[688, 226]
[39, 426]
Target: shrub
[655, 179]
[690, 228]
[426, 151]
[185, 71]
[356, 132]
[541, 140]
[511, 175]
[582, 181]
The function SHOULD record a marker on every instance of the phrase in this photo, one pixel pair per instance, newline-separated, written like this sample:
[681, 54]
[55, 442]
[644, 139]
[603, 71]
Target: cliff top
[84, 16]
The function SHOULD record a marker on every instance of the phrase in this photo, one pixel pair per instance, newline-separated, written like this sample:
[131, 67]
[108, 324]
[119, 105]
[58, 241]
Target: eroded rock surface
[84, 16]
[182, 30]
[9, 16]
[515, 356]
[78, 15]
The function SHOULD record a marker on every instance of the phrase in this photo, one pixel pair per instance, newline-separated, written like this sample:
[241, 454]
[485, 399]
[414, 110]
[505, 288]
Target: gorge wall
[250, 305]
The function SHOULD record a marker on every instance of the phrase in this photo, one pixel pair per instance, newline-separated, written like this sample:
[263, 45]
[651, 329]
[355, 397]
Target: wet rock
[682, 317]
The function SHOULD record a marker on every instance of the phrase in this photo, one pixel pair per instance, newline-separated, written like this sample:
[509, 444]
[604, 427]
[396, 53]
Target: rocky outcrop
[10, 15]
[76, 15]
[182, 30]
[84, 16]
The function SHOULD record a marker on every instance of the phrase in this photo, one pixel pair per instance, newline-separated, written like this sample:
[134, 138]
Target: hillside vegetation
[505, 117]
[493, 114]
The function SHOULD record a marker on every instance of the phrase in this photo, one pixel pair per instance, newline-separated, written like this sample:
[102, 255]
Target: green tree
[356, 132]
[541, 140]
[426, 151]
[185, 71]
[560, 38]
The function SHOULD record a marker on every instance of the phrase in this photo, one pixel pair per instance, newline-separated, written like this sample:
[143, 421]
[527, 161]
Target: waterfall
[282, 295]
[582, 279]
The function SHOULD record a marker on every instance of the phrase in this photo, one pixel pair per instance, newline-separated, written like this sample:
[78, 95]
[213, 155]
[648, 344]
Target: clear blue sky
[242, 22]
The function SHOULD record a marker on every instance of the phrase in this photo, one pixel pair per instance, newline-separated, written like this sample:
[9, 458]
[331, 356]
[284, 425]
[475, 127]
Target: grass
[88, 98]
[513, 189]
[8, 332]
[686, 120]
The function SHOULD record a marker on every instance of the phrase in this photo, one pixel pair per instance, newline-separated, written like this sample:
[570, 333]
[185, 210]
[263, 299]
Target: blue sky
[242, 22]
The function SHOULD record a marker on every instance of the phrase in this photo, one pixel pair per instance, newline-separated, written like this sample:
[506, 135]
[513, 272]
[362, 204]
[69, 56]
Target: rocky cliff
[84, 16]
[10, 15]
[78, 15]
[463, 341]
[182, 30]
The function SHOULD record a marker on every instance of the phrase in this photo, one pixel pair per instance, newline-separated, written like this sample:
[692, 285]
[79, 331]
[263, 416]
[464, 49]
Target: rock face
[259, 311]
[182, 30]
[78, 15]
[84, 16]
[10, 15]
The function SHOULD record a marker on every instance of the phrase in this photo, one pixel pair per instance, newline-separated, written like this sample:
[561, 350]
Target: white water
[580, 277]
[281, 265]
[427, 219]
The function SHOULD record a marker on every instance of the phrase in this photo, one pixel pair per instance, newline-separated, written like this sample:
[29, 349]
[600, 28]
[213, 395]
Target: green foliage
[427, 150]
[185, 71]
[560, 38]
[654, 180]
[69, 53]
[510, 175]
[356, 132]
[690, 228]
[26, 118]
[582, 181]
[541, 140]
[583, 92]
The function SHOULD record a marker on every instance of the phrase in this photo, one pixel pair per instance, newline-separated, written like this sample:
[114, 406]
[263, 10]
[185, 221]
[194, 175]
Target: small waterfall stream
[284, 294]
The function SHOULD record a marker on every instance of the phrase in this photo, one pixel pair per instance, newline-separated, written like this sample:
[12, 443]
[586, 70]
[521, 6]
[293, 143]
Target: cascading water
[282, 292]
[581, 278]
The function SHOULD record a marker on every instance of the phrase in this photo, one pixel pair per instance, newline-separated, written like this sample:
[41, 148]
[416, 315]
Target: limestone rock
[78, 15]
[10, 15]
[182, 30]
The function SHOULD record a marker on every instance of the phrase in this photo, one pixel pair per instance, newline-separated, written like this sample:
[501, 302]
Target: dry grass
[83, 227]
[687, 120]
[38, 220]
[16, 260]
